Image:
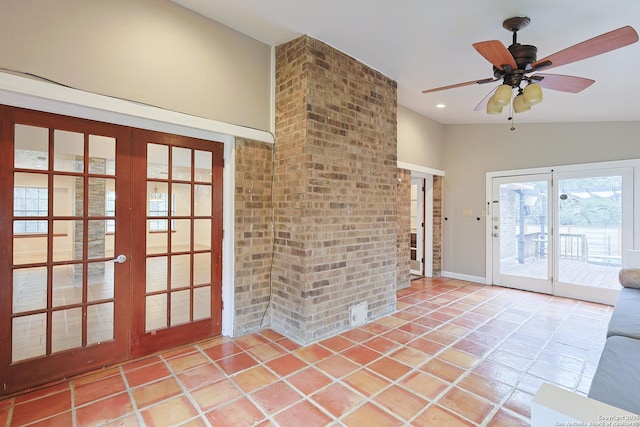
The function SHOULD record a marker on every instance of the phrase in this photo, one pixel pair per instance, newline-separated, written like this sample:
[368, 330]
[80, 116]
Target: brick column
[335, 191]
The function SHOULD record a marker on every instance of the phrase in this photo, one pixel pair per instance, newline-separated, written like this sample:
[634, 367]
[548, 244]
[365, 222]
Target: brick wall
[404, 228]
[253, 234]
[335, 190]
[437, 226]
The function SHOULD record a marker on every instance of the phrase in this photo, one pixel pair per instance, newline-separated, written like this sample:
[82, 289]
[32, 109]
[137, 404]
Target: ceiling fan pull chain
[511, 118]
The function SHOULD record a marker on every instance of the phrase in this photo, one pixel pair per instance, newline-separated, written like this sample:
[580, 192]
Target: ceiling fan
[514, 66]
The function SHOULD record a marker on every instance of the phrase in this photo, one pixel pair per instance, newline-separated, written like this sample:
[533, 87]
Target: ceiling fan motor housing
[524, 55]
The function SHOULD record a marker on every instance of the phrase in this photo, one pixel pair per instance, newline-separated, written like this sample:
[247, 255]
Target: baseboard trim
[465, 277]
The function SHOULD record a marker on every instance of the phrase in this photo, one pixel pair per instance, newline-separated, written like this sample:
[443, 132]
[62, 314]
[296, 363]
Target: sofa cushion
[625, 320]
[617, 377]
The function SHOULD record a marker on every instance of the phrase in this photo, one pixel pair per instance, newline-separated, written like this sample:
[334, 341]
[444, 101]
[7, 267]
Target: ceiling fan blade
[572, 84]
[483, 104]
[496, 53]
[596, 46]
[472, 82]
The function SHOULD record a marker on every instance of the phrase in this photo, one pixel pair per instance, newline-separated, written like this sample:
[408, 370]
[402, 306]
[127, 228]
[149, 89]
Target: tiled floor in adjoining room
[454, 354]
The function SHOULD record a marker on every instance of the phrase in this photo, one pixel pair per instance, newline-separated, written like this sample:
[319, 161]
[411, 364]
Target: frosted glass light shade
[532, 94]
[519, 105]
[492, 108]
[502, 95]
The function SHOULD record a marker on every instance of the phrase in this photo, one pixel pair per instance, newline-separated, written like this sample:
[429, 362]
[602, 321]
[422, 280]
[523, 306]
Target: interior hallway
[454, 354]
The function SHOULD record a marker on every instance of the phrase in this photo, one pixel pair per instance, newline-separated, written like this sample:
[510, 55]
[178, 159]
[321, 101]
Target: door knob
[120, 259]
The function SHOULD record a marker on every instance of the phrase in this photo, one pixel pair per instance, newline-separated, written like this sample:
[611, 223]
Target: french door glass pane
[100, 323]
[67, 284]
[29, 289]
[523, 229]
[68, 151]
[31, 147]
[590, 220]
[66, 328]
[102, 155]
[29, 336]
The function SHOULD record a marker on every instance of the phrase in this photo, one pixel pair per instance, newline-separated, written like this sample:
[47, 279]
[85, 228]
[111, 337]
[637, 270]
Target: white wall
[420, 139]
[149, 51]
[469, 151]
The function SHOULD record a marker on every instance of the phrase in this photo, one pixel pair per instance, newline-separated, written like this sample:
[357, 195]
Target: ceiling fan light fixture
[492, 108]
[532, 94]
[519, 104]
[502, 96]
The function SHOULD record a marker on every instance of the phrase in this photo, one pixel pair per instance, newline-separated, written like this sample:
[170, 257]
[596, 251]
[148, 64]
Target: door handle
[120, 259]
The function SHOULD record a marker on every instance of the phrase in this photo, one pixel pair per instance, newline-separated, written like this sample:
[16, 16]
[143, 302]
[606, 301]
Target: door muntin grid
[62, 283]
[179, 236]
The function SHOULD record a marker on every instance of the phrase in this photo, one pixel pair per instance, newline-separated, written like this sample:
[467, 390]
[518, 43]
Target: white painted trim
[421, 230]
[488, 240]
[228, 243]
[567, 168]
[465, 277]
[272, 113]
[427, 174]
[419, 171]
[22, 92]
[33, 94]
[428, 219]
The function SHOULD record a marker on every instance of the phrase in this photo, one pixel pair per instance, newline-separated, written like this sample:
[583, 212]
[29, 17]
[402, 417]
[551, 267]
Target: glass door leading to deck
[562, 233]
[520, 233]
[593, 210]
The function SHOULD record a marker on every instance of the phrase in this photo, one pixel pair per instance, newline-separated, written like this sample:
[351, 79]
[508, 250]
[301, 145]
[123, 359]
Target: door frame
[427, 174]
[421, 222]
[43, 96]
[633, 227]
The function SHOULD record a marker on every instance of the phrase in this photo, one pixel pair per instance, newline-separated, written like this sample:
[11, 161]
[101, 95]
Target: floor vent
[358, 314]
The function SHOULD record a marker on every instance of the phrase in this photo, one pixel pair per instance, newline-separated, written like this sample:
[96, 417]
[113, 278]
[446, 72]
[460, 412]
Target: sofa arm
[555, 407]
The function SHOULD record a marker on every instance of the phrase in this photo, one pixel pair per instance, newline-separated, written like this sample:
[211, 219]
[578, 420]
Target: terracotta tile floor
[454, 354]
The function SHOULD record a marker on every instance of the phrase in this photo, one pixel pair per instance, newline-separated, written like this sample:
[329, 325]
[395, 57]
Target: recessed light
[440, 105]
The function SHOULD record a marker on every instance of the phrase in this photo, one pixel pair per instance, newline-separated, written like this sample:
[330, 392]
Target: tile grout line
[134, 405]
[228, 377]
[184, 393]
[452, 384]
[496, 406]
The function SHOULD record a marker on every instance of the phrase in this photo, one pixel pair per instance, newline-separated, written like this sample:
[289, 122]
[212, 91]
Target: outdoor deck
[571, 271]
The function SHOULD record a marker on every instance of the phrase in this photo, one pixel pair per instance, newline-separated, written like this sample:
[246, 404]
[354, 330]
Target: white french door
[594, 223]
[562, 232]
[520, 232]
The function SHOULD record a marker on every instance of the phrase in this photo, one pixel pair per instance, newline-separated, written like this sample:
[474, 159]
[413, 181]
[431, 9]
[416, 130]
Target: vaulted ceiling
[424, 44]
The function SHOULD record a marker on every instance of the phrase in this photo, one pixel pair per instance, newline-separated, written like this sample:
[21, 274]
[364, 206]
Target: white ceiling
[424, 44]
